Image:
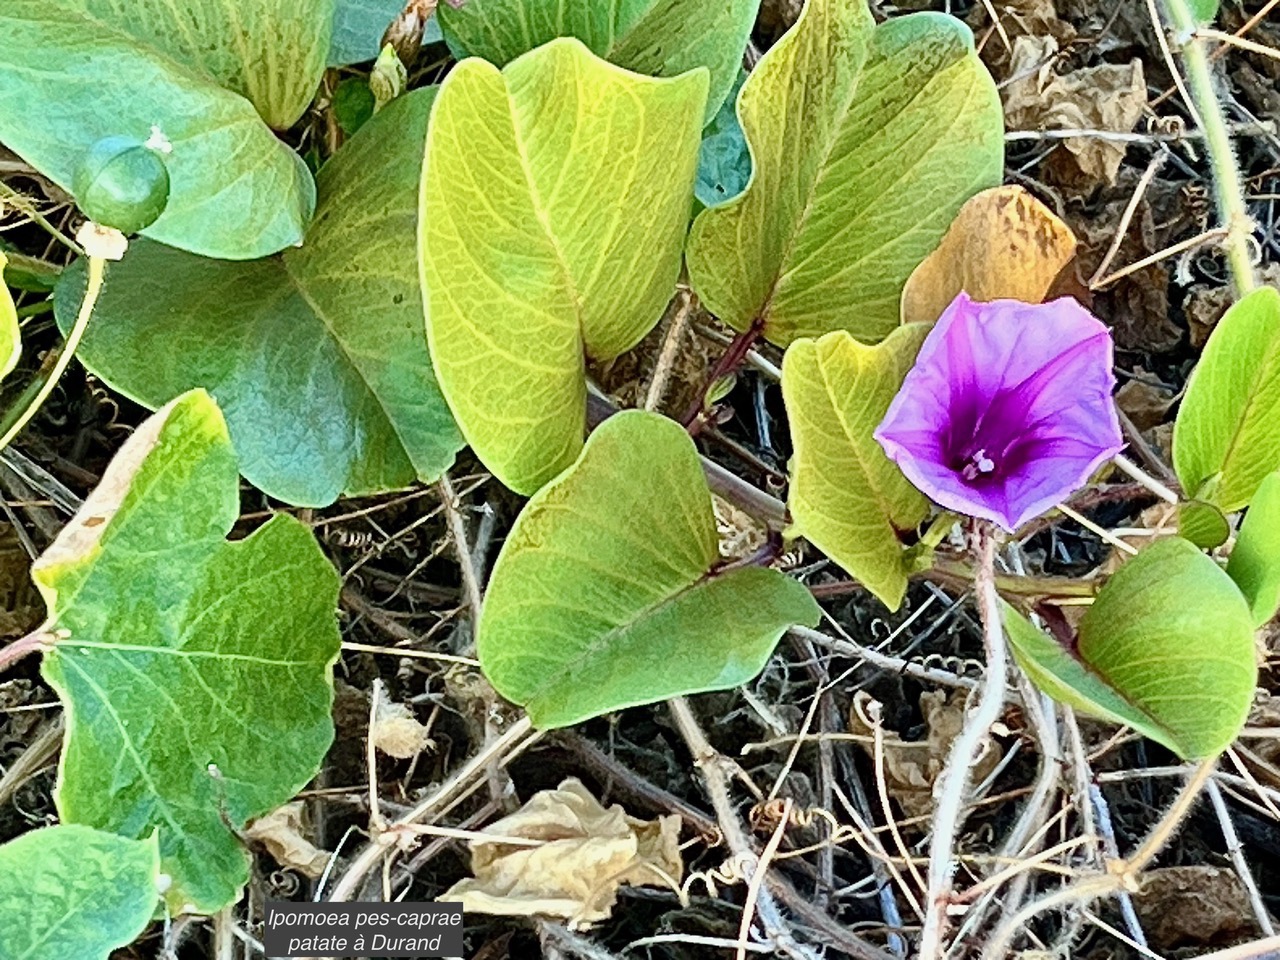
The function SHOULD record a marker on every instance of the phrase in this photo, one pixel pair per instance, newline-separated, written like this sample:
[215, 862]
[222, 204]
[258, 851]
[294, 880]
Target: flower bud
[388, 79]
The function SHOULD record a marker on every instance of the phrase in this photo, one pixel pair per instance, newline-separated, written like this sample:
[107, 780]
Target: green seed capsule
[122, 183]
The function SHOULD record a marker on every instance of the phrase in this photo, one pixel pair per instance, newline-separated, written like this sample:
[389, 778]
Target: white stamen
[979, 463]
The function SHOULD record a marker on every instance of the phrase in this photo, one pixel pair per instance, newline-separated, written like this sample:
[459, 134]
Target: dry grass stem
[1236, 852]
[665, 365]
[514, 741]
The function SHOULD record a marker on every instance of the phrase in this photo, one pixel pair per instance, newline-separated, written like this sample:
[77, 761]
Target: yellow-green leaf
[1203, 524]
[865, 143]
[661, 38]
[1166, 648]
[1203, 10]
[1255, 558]
[555, 198]
[846, 496]
[608, 592]
[1227, 435]
[10, 336]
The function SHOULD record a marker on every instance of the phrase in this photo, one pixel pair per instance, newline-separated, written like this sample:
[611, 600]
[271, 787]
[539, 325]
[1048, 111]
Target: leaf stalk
[20, 415]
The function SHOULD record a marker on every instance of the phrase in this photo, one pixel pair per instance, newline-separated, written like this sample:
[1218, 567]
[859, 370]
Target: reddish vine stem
[729, 362]
[23, 647]
[768, 552]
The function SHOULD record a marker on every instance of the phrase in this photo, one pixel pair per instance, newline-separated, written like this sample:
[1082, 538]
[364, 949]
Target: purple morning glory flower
[1007, 410]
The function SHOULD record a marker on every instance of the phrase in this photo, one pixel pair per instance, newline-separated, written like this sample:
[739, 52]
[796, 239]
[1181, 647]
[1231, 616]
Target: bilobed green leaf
[75, 71]
[1166, 648]
[555, 199]
[318, 356]
[724, 162]
[358, 26]
[10, 335]
[607, 593]
[271, 52]
[847, 497]
[1052, 667]
[865, 143]
[1203, 524]
[661, 38]
[70, 891]
[1255, 558]
[196, 673]
[1227, 435]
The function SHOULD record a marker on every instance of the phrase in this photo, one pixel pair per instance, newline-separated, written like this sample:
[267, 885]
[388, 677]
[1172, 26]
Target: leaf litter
[581, 854]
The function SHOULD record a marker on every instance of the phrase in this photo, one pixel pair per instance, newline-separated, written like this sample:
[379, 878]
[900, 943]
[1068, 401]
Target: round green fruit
[122, 183]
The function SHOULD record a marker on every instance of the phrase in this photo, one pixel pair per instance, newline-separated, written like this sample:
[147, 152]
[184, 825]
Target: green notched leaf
[556, 196]
[317, 356]
[1227, 435]
[271, 52]
[724, 162]
[358, 26]
[195, 673]
[10, 336]
[73, 72]
[1203, 524]
[865, 143]
[660, 38]
[73, 892]
[606, 594]
[1167, 648]
[1255, 558]
[846, 496]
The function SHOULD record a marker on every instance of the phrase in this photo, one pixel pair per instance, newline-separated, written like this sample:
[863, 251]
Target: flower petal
[1007, 410]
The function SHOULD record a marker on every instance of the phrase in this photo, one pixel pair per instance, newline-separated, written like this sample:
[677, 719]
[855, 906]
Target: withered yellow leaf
[1003, 244]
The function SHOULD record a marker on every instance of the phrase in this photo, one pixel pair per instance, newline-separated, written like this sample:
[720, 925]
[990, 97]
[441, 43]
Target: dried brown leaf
[586, 852]
[1206, 304]
[912, 767]
[282, 833]
[21, 608]
[1109, 97]
[740, 533]
[1003, 244]
[1144, 403]
[1015, 18]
